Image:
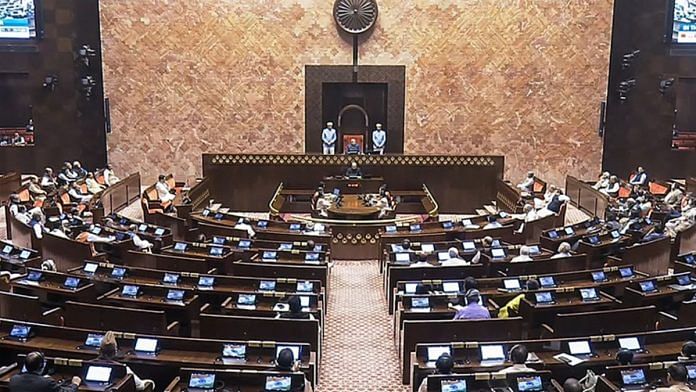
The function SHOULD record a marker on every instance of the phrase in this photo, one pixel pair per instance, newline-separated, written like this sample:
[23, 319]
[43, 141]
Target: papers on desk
[246, 307]
[568, 359]
[30, 282]
[420, 310]
[281, 307]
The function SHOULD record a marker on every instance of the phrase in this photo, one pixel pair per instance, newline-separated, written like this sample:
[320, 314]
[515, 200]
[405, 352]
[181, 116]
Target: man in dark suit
[33, 381]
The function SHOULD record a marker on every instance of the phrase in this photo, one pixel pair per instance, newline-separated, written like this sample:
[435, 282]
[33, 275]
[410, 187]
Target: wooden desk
[366, 184]
[235, 380]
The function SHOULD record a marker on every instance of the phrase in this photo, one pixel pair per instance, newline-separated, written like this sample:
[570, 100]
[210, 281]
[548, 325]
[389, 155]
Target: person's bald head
[572, 385]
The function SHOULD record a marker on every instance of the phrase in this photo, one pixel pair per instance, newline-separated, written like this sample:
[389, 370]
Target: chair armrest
[205, 307]
[611, 297]
[667, 321]
[173, 385]
[108, 293]
[173, 328]
[226, 302]
[546, 331]
[53, 316]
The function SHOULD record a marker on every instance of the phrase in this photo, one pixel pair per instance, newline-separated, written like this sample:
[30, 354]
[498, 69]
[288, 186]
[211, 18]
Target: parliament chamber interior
[347, 195]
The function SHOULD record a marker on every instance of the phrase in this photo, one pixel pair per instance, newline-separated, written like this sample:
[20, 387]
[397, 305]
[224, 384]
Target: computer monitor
[269, 255]
[295, 227]
[553, 234]
[244, 244]
[218, 216]
[262, 224]
[691, 372]
[24, 254]
[420, 302]
[580, 347]
[544, 297]
[390, 229]
[246, 299]
[534, 250]
[492, 352]
[34, 276]
[569, 231]
[442, 256]
[630, 343]
[20, 331]
[428, 248]
[90, 268]
[615, 234]
[94, 340]
[98, 374]
[415, 228]
[626, 272]
[278, 383]
[267, 285]
[547, 281]
[648, 286]
[599, 276]
[467, 222]
[130, 290]
[434, 352]
[469, 245]
[231, 350]
[683, 280]
[589, 294]
[71, 282]
[175, 295]
[498, 253]
[450, 385]
[285, 246]
[118, 272]
[146, 345]
[593, 239]
[305, 287]
[216, 251]
[633, 377]
[206, 281]
[447, 225]
[450, 287]
[296, 350]
[690, 259]
[410, 288]
[170, 278]
[202, 381]
[529, 384]
[312, 257]
[159, 231]
[403, 257]
[180, 247]
[7, 249]
[512, 284]
[219, 240]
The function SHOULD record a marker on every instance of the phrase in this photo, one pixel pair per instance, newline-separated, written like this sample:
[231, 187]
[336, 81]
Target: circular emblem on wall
[355, 16]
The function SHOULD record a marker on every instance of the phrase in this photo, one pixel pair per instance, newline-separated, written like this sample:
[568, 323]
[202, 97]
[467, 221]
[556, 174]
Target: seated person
[470, 283]
[473, 310]
[603, 181]
[487, 241]
[164, 194]
[677, 378]
[354, 171]
[512, 308]
[688, 351]
[110, 177]
[141, 244]
[563, 251]
[640, 178]
[624, 357]
[613, 187]
[454, 259]
[18, 140]
[33, 379]
[35, 189]
[529, 213]
[422, 261]
[285, 362]
[518, 356]
[527, 185]
[66, 176]
[553, 207]
[655, 234]
[76, 194]
[48, 181]
[674, 197]
[353, 148]
[295, 310]
[444, 365]
[92, 185]
[36, 223]
[79, 170]
[572, 385]
[492, 223]
[523, 256]
[108, 351]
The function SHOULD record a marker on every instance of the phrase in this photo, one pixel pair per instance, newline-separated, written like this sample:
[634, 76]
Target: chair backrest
[105, 317]
[604, 322]
[20, 307]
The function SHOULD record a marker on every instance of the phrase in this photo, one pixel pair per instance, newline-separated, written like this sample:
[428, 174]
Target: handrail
[273, 210]
[355, 222]
[436, 207]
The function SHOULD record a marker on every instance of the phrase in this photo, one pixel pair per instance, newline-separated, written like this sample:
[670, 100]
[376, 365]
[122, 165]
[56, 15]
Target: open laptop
[593, 239]
[547, 282]
[90, 268]
[180, 247]
[130, 291]
[580, 348]
[175, 295]
[569, 231]
[434, 352]
[390, 229]
[7, 249]
[71, 283]
[498, 253]
[312, 258]
[159, 231]
[216, 251]
[200, 382]
[98, 375]
[690, 259]
[415, 228]
[246, 301]
[648, 286]
[170, 278]
[118, 273]
[267, 285]
[305, 287]
[683, 282]
[285, 246]
[442, 256]
[410, 288]
[553, 234]
[295, 227]
[34, 276]
[633, 379]
[589, 294]
[632, 343]
[626, 272]
[206, 282]
[402, 258]
[146, 346]
[450, 287]
[269, 255]
[262, 224]
[691, 374]
[20, 332]
[492, 354]
[92, 342]
[447, 225]
[534, 250]
[530, 383]
[278, 383]
[599, 276]
[234, 351]
[512, 284]
[544, 298]
[420, 304]
[469, 246]
[24, 254]
[428, 248]
[244, 244]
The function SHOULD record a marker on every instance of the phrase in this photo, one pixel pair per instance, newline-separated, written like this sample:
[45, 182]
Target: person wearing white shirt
[563, 251]
[523, 257]
[641, 177]
[454, 259]
[163, 192]
[92, 185]
[492, 223]
[613, 188]
[243, 225]
[139, 243]
[673, 198]
[109, 177]
[76, 194]
[529, 213]
[379, 139]
[528, 184]
[328, 139]
[48, 181]
[603, 181]
[422, 261]
[518, 357]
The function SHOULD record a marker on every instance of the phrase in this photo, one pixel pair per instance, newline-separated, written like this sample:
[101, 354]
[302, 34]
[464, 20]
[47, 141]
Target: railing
[120, 195]
[435, 208]
[586, 198]
[276, 201]
[386, 222]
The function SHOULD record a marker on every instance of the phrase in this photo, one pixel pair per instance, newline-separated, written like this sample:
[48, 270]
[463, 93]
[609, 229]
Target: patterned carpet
[359, 352]
[3, 229]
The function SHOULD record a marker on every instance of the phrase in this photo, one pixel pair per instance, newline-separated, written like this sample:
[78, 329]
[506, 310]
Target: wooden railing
[276, 202]
[120, 195]
[586, 198]
[430, 204]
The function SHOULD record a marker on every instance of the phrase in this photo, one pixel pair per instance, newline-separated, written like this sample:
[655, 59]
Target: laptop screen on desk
[468, 245]
[90, 268]
[267, 285]
[630, 343]
[579, 347]
[691, 372]
[146, 345]
[599, 276]
[420, 302]
[434, 352]
[529, 384]
[71, 282]
[170, 278]
[511, 284]
[403, 257]
[278, 383]
[94, 340]
[498, 253]
[453, 385]
[633, 377]
[626, 272]
[34, 276]
[450, 287]
[101, 374]
[547, 281]
[202, 381]
[589, 293]
[219, 240]
[175, 295]
[24, 254]
[206, 281]
[180, 246]
[246, 299]
[569, 231]
[7, 249]
[543, 297]
[492, 352]
[647, 286]
[234, 351]
[553, 234]
[20, 331]
[305, 287]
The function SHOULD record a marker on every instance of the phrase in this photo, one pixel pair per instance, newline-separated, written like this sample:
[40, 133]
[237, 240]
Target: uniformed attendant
[328, 138]
[379, 139]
